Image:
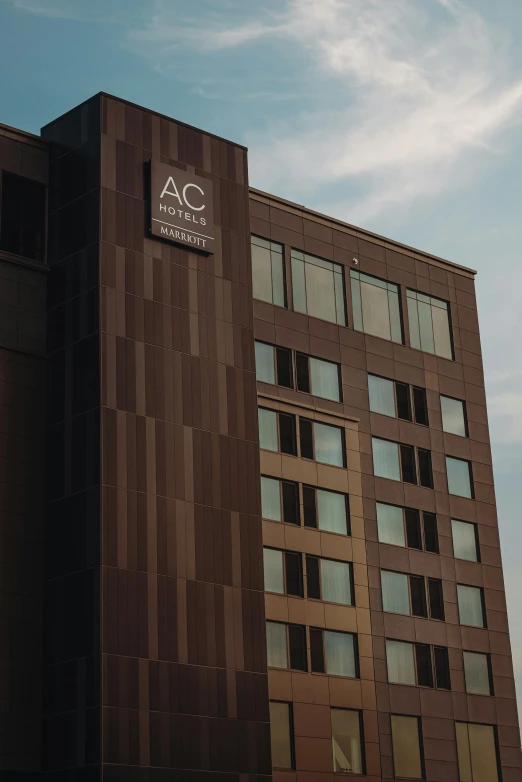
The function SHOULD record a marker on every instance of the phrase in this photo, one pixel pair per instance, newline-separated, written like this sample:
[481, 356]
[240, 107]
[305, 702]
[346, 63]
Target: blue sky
[414, 110]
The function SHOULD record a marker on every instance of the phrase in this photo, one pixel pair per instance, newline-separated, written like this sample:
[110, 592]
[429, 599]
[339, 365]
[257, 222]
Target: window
[268, 278]
[329, 580]
[406, 743]
[411, 595]
[403, 527]
[477, 673]
[326, 510]
[398, 400]
[376, 308]
[279, 500]
[286, 646]
[274, 365]
[281, 734]
[283, 572]
[318, 377]
[454, 418]
[471, 606]
[418, 664]
[460, 481]
[477, 752]
[317, 288]
[322, 442]
[429, 324]
[277, 431]
[465, 540]
[22, 218]
[347, 741]
[397, 462]
[333, 653]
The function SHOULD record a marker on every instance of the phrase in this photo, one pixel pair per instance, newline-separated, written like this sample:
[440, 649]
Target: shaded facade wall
[359, 354]
[23, 381]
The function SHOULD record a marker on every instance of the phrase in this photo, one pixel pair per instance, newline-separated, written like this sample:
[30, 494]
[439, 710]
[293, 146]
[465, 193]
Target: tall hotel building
[248, 526]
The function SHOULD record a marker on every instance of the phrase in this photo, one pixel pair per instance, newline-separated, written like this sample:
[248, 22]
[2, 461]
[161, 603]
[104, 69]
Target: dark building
[212, 578]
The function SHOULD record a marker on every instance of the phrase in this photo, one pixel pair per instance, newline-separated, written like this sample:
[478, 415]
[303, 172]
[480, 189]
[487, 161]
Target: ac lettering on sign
[181, 207]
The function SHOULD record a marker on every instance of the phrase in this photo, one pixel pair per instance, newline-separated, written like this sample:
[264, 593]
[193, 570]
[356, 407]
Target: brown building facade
[295, 578]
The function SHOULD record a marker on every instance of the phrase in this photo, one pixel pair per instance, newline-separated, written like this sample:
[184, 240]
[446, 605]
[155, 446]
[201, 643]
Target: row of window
[477, 745]
[316, 288]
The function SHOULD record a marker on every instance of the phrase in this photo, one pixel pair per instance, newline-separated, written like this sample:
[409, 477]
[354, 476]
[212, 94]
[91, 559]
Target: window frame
[355, 274]
[355, 643]
[282, 520]
[464, 415]
[291, 732]
[470, 471]
[484, 625]
[283, 270]
[278, 414]
[411, 400]
[362, 744]
[286, 625]
[308, 357]
[491, 681]
[284, 553]
[450, 324]
[426, 595]
[495, 743]
[421, 522]
[433, 665]
[415, 449]
[320, 560]
[421, 745]
[5, 174]
[342, 273]
[313, 423]
[477, 541]
[316, 526]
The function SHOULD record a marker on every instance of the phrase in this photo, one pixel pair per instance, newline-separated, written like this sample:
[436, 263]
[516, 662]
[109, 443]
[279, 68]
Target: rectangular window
[22, 217]
[274, 365]
[407, 594]
[406, 744]
[283, 572]
[395, 592]
[329, 580]
[442, 668]
[326, 510]
[477, 752]
[333, 653]
[429, 324]
[286, 646]
[465, 540]
[277, 431]
[454, 418]
[477, 673]
[318, 288]
[436, 599]
[318, 377]
[460, 480]
[471, 606]
[322, 442]
[268, 277]
[279, 500]
[376, 308]
[347, 741]
[397, 462]
[397, 400]
[281, 734]
[402, 527]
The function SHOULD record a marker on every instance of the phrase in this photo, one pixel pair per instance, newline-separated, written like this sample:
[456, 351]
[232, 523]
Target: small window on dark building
[22, 217]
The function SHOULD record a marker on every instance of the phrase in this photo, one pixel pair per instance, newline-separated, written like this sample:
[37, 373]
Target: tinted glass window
[381, 392]
[459, 477]
[287, 439]
[290, 492]
[464, 540]
[406, 747]
[336, 582]
[297, 647]
[276, 645]
[477, 753]
[284, 368]
[318, 288]
[339, 653]
[429, 324]
[421, 406]
[476, 673]
[22, 217]
[395, 594]
[332, 512]
[346, 740]
[270, 499]
[453, 416]
[273, 569]
[268, 438]
[403, 401]
[325, 379]
[400, 662]
[293, 574]
[386, 459]
[329, 446]
[281, 734]
[268, 271]
[376, 308]
[265, 370]
[390, 524]
[471, 610]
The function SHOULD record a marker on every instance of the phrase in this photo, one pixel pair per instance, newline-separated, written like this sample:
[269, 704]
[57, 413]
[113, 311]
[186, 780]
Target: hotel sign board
[181, 207]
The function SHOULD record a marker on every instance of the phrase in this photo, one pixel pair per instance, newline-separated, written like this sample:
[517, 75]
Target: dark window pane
[294, 575]
[413, 532]
[436, 599]
[290, 502]
[287, 433]
[423, 660]
[284, 368]
[407, 464]
[309, 507]
[316, 651]
[307, 443]
[403, 401]
[297, 647]
[425, 474]
[442, 669]
[302, 372]
[420, 406]
[312, 578]
[22, 220]
[431, 540]
[418, 596]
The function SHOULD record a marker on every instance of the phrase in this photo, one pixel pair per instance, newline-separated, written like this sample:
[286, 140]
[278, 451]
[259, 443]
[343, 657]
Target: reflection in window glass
[459, 477]
[471, 610]
[401, 665]
[281, 734]
[382, 396]
[328, 442]
[390, 524]
[376, 307]
[276, 645]
[317, 287]
[464, 540]
[406, 747]
[336, 584]
[325, 379]
[331, 512]
[429, 324]
[476, 673]
[346, 740]
[270, 499]
[476, 752]
[386, 459]
[395, 595]
[273, 570]
[268, 430]
[340, 654]
[267, 271]
[265, 368]
[453, 416]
